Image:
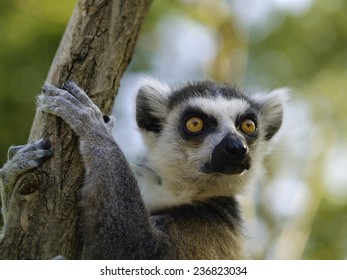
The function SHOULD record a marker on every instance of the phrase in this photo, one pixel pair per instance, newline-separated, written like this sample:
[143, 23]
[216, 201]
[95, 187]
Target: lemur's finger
[40, 148]
[34, 158]
[51, 90]
[23, 162]
[78, 93]
[13, 150]
[74, 116]
[27, 157]
[44, 144]
[56, 105]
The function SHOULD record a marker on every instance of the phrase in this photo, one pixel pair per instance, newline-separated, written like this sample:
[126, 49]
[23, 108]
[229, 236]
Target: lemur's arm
[115, 224]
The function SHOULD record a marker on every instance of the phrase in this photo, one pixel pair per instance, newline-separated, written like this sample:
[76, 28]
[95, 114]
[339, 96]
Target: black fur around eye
[247, 124]
[195, 125]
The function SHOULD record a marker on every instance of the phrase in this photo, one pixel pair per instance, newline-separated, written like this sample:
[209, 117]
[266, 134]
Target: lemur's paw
[26, 157]
[31, 155]
[55, 100]
[74, 106]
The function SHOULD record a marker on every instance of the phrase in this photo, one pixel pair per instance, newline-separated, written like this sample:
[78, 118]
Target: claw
[68, 83]
[45, 144]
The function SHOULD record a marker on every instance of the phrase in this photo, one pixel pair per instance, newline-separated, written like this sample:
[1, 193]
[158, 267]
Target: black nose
[230, 156]
[236, 148]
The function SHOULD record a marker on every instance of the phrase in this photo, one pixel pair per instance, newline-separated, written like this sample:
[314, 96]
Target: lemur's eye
[194, 124]
[248, 126]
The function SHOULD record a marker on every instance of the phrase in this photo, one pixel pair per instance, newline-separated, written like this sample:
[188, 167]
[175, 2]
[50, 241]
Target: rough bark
[94, 52]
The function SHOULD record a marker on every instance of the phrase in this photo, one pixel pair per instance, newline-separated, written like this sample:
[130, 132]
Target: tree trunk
[94, 52]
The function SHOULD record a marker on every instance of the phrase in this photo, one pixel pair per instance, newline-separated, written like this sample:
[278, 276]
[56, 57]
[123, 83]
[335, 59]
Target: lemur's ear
[271, 109]
[151, 105]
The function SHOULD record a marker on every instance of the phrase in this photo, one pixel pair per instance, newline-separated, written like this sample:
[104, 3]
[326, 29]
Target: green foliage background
[306, 51]
[30, 33]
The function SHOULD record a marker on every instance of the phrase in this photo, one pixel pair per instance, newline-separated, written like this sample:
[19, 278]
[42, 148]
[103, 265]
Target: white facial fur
[176, 163]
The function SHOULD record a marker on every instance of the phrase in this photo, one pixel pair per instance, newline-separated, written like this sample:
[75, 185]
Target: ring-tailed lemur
[205, 142]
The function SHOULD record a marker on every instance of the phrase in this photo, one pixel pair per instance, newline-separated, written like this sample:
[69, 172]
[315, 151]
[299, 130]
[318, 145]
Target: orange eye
[194, 124]
[248, 126]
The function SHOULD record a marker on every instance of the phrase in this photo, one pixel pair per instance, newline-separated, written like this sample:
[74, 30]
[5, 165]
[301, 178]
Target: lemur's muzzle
[230, 156]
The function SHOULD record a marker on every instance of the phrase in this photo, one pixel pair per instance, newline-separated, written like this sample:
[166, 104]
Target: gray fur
[175, 210]
[21, 159]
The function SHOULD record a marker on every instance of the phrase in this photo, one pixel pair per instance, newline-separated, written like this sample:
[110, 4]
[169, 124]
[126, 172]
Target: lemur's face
[205, 130]
[223, 132]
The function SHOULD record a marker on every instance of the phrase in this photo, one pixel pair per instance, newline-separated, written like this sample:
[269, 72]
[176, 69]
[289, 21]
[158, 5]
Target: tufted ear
[151, 105]
[271, 110]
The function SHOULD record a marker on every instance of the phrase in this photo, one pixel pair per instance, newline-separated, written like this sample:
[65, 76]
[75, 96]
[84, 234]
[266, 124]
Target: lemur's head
[206, 139]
